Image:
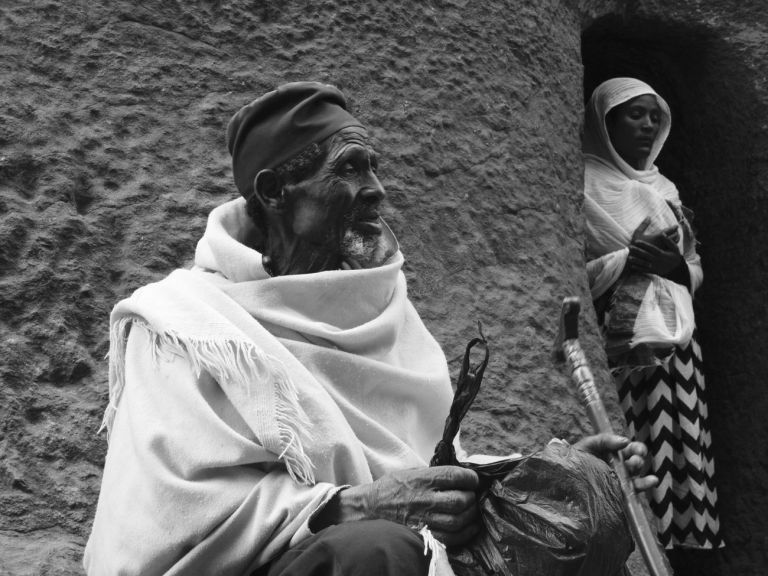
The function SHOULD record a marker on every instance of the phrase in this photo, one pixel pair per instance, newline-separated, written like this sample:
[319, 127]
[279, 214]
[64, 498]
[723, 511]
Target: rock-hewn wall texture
[112, 152]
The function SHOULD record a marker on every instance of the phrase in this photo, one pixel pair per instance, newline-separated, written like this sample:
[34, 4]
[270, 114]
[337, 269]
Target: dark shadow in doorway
[712, 159]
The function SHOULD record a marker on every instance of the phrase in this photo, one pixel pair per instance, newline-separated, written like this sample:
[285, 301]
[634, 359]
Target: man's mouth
[367, 222]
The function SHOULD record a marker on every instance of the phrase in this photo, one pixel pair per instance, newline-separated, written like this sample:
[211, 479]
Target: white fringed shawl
[307, 382]
[617, 199]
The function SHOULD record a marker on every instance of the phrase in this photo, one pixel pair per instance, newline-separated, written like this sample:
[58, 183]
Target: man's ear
[268, 189]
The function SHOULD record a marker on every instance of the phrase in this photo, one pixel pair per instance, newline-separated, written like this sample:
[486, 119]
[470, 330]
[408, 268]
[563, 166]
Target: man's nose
[372, 191]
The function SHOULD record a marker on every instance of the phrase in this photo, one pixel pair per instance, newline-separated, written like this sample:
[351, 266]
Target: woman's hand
[672, 233]
[654, 253]
[442, 498]
[634, 453]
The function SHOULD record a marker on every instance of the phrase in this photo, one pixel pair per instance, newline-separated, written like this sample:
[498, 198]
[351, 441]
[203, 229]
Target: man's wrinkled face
[633, 127]
[337, 209]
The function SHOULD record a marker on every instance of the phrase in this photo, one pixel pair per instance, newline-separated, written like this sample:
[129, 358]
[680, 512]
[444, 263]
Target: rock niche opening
[712, 157]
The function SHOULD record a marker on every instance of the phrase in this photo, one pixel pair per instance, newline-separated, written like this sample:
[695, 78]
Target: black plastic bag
[557, 512]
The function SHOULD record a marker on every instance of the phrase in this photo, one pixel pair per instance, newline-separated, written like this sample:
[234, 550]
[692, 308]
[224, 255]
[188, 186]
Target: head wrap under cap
[280, 124]
[607, 96]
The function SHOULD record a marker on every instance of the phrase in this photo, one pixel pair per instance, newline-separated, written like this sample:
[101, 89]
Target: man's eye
[348, 169]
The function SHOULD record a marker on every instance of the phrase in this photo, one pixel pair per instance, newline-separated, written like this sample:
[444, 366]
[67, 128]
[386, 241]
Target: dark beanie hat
[280, 124]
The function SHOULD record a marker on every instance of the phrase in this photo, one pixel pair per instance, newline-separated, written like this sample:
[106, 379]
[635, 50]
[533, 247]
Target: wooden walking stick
[567, 348]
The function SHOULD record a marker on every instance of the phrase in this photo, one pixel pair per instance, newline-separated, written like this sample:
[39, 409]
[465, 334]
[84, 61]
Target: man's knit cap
[282, 123]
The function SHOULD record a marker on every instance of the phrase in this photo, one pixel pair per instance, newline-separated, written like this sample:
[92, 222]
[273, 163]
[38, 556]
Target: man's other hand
[634, 454]
[442, 498]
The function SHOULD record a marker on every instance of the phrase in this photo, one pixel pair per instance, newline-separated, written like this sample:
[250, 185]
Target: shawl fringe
[237, 363]
[439, 565]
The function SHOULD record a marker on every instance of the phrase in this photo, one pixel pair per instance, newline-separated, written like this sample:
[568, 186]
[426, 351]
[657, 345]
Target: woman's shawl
[648, 312]
[239, 402]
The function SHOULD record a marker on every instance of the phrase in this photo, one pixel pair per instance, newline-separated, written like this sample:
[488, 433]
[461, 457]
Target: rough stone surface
[112, 152]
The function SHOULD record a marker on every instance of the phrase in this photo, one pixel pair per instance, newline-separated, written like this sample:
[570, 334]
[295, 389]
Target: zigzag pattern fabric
[665, 407]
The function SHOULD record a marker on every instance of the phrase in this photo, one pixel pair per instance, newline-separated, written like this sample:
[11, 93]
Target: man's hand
[443, 498]
[654, 253]
[634, 453]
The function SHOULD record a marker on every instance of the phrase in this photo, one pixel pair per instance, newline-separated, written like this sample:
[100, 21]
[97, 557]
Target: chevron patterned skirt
[666, 408]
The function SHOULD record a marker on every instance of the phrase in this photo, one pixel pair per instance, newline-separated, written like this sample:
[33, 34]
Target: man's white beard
[364, 250]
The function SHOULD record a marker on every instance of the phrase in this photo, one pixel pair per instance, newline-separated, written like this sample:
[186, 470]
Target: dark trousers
[366, 548]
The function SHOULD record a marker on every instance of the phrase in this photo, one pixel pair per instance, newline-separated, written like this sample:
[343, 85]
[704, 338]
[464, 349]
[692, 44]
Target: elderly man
[273, 409]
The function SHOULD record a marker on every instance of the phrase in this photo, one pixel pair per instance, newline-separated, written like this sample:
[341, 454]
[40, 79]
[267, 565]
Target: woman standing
[643, 271]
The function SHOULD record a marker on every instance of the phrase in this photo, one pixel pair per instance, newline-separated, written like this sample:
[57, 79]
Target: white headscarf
[597, 143]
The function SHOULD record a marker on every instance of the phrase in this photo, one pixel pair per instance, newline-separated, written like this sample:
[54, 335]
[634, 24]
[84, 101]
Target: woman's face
[633, 127]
